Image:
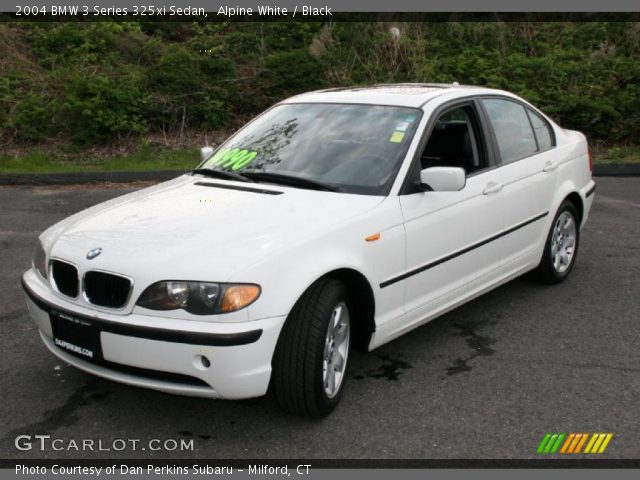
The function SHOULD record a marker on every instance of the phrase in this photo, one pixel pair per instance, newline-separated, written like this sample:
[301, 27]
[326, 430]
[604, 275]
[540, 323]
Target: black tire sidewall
[547, 266]
[297, 377]
[339, 295]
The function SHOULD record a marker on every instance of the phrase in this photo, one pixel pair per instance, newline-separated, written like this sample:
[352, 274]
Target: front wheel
[561, 247]
[310, 361]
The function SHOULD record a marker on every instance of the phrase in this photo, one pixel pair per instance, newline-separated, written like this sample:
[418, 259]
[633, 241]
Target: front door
[449, 235]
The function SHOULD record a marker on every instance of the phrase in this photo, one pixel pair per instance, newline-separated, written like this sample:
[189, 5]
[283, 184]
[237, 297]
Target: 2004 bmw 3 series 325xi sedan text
[336, 219]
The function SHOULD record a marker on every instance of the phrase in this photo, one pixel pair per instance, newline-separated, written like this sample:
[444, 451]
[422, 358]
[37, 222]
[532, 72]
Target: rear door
[526, 156]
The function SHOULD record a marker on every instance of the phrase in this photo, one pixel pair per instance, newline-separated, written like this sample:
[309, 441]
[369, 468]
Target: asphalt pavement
[487, 380]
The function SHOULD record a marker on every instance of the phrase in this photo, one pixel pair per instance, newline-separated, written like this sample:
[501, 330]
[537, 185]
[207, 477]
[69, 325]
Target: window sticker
[234, 158]
[396, 137]
[411, 118]
[402, 126]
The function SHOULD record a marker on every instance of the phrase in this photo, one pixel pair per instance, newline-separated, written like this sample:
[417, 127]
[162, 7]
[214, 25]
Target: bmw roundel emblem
[91, 254]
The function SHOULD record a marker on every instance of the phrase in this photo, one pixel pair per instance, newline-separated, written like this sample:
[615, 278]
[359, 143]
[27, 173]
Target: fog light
[201, 362]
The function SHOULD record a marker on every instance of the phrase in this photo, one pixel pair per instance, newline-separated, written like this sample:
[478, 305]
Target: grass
[148, 157]
[144, 158]
[617, 154]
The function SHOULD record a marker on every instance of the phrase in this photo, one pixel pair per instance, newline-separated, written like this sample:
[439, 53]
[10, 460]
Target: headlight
[199, 298]
[40, 260]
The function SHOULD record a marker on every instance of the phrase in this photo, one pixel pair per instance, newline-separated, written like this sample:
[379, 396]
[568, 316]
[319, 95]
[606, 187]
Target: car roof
[396, 94]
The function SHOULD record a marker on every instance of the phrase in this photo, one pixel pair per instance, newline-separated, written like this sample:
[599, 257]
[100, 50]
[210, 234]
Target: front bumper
[165, 354]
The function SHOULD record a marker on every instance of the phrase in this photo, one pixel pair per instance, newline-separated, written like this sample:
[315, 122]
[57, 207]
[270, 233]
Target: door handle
[492, 187]
[550, 166]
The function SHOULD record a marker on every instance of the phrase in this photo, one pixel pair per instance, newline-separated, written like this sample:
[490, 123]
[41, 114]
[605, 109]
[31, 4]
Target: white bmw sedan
[335, 219]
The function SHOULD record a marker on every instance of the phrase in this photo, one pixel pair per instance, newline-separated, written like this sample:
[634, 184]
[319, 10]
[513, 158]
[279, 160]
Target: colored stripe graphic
[598, 442]
[573, 443]
[543, 443]
[576, 439]
[581, 442]
[576, 444]
[556, 446]
[568, 442]
[605, 443]
[550, 443]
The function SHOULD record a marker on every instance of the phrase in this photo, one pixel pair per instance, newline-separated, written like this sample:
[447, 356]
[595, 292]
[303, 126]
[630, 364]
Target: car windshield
[345, 147]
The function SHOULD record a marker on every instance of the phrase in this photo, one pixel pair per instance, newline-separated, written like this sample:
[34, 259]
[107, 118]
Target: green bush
[291, 72]
[98, 108]
[97, 82]
[33, 117]
[190, 89]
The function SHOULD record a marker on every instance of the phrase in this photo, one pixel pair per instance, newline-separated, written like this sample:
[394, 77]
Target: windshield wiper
[208, 172]
[292, 180]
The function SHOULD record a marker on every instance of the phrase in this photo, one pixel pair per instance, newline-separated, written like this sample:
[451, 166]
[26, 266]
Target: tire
[554, 266]
[299, 381]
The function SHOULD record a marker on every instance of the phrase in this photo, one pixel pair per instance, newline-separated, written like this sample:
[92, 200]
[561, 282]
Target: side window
[541, 130]
[512, 128]
[455, 141]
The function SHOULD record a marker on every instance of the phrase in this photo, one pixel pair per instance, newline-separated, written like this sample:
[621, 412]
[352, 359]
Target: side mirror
[205, 153]
[443, 179]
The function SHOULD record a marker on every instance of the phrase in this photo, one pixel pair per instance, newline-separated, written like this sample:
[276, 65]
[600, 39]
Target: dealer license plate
[76, 335]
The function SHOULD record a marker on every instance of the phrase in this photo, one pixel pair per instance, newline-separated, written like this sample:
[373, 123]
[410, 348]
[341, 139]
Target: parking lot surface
[487, 380]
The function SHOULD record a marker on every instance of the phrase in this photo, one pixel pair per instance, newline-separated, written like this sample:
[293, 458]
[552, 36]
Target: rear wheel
[561, 247]
[310, 361]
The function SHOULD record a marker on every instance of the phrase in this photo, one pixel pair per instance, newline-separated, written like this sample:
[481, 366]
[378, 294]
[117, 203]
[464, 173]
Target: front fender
[285, 276]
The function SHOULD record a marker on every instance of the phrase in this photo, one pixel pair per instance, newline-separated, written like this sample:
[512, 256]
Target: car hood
[184, 230]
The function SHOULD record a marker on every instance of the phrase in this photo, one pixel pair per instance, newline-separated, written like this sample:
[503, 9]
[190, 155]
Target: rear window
[541, 130]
